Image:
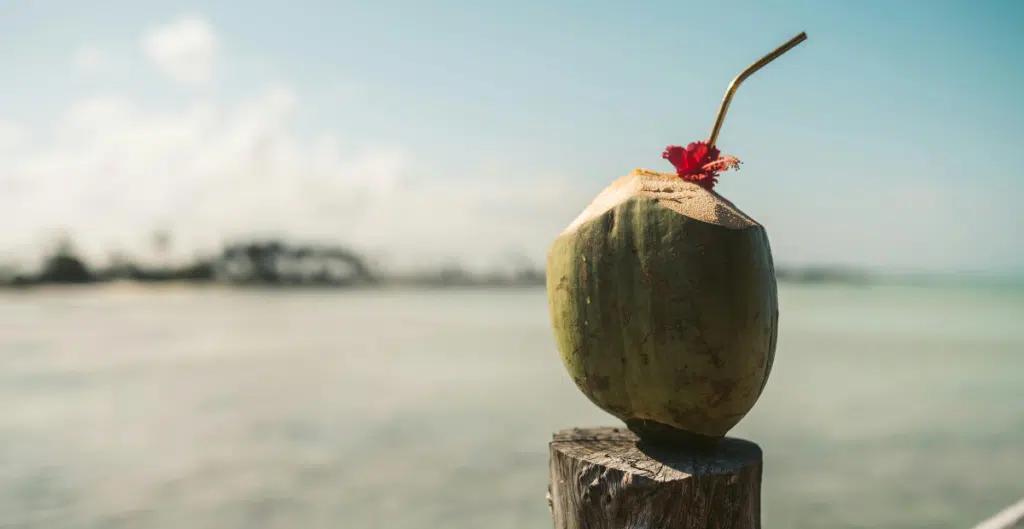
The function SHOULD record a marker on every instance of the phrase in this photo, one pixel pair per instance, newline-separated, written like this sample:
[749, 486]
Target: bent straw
[743, 76]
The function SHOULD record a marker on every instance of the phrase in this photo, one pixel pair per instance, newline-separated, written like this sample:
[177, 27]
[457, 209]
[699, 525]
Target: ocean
[170, 408]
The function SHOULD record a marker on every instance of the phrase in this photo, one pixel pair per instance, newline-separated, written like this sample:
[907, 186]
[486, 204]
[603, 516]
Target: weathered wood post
[605, 478]
[664, 305]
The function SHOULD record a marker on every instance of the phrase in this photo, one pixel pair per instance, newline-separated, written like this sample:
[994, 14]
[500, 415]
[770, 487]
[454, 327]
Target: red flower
[698, 163]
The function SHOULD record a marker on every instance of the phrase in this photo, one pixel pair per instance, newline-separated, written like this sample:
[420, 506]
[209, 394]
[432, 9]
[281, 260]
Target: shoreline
[129, 286]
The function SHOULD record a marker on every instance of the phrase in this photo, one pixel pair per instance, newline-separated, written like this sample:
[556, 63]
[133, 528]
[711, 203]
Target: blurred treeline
[267, 262]
[277, 262]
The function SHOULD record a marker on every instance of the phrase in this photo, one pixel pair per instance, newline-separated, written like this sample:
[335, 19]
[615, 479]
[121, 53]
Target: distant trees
[275, 262]
[254, 262]
[258, 262]
[160, 240]
[63, 266]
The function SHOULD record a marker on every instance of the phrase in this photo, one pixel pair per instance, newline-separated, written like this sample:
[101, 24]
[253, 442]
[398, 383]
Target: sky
[425, 132]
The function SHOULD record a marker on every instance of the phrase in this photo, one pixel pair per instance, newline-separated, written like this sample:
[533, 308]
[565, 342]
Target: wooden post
[605, 478]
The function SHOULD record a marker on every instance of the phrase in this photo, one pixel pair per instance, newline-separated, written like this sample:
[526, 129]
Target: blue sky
[426, 131]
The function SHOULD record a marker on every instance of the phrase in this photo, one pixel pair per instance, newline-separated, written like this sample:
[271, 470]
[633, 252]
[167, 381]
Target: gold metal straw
[743, 76]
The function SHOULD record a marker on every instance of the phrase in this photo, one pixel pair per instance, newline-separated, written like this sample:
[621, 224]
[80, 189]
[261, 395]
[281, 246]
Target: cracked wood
[605, 478]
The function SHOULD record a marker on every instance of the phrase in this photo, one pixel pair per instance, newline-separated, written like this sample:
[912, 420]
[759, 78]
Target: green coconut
[664, 306]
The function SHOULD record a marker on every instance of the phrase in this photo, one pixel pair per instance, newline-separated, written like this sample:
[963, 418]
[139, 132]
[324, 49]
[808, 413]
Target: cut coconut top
[670, 191]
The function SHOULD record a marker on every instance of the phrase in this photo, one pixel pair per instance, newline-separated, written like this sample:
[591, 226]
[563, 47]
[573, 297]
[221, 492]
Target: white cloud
[111, 170]
[114, 170]
[12, 135]
[185, 51]
[91, 60]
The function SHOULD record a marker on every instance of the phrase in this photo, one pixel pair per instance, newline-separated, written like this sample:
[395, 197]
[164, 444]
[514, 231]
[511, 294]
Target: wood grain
[606, 478]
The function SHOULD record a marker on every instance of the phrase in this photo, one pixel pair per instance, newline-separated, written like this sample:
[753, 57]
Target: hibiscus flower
[699, 163]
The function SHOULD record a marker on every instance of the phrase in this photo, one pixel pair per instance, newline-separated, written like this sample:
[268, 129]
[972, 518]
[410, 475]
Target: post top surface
[620, 449]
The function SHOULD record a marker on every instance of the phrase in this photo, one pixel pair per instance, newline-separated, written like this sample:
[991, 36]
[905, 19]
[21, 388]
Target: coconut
[664, 306]
[663, 298]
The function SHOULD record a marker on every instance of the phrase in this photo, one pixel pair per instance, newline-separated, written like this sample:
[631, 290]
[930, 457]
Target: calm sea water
[891, 407]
